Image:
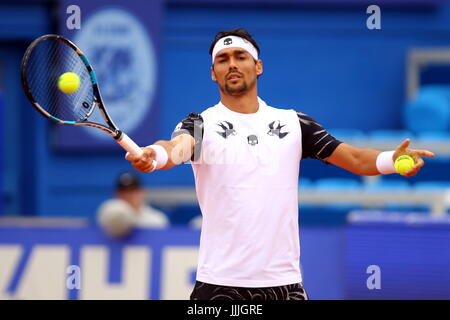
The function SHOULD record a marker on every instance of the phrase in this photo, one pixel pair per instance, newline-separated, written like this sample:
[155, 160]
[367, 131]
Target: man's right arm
[180, 149]
[185, 144]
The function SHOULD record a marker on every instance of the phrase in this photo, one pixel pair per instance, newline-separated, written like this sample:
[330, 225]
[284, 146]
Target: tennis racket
[45, 60]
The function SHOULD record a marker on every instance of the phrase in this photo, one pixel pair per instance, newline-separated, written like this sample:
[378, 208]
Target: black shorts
[206, 291]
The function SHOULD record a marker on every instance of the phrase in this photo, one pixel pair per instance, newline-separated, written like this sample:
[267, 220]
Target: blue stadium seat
[396, 135]
[305, 184]
[431, 186]
[429, 110]
[338, 185]
[387, 185]
[392, 186]
[348, 134]
[434, 136]
[437, 138]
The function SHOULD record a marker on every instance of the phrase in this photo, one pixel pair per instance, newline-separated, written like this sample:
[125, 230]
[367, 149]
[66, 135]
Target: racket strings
[77, 97]
[39, 86]
[56, 104]
[69, 106]
[48, 60]
[42, 87]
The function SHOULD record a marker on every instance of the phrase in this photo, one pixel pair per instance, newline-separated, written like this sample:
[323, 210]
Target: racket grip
[129, 145]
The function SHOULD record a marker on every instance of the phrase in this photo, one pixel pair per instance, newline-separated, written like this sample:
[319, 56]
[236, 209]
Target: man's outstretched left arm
[364, 161]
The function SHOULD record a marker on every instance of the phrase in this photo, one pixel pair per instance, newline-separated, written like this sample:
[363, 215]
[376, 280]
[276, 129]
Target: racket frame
[111, 129]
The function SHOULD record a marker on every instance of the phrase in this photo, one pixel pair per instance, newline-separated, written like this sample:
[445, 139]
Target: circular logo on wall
[124, 60]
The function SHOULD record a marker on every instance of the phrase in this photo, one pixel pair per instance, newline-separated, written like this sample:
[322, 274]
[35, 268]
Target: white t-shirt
[246, 169]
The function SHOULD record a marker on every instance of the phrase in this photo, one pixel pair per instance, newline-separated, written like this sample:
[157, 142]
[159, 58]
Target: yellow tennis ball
[403, 164]
[69, 82]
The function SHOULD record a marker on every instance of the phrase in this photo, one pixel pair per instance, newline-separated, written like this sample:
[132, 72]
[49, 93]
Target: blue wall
[323, 62]
[410, 250]
[323, 274]
[2, 108]
[19, 24]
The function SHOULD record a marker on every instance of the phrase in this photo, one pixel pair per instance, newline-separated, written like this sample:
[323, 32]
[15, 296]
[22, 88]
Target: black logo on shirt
[252, 140]
[275, 129]
[227, 129]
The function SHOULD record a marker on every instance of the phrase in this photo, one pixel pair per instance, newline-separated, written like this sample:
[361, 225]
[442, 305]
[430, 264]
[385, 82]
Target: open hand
[417, 155]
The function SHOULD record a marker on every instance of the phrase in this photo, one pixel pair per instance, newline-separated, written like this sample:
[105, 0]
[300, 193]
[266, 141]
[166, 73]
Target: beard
[237, 90]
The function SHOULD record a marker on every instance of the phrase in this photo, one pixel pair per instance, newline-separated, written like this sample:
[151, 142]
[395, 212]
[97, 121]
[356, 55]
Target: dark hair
[239, 32]
[128, 181]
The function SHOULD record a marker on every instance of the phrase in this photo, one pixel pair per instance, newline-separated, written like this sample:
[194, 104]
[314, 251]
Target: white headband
[234, 42]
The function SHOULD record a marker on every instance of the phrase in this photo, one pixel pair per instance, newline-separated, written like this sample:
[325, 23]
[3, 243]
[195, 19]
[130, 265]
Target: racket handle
[129, 145]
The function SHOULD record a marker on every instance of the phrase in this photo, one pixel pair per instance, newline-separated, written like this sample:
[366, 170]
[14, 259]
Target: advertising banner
[122, 42]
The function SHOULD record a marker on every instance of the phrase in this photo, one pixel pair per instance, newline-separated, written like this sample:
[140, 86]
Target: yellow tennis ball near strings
[69, 82]
[403, 164]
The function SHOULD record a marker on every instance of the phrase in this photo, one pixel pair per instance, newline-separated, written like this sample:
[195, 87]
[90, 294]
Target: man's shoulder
[288, 111]
[200, 115]
[210, 110]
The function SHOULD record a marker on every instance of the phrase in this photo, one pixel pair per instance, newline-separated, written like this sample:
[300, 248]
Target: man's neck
[247, 103]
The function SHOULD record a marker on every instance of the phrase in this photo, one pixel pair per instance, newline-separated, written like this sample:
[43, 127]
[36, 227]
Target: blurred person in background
[119, 216]
[246, 160]
[196, 222]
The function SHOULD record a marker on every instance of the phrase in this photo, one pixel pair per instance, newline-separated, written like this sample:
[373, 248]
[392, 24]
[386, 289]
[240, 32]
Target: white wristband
[161, 155]
[385, 163]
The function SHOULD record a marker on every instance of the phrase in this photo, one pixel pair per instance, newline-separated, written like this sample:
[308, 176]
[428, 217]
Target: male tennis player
[245, 156]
